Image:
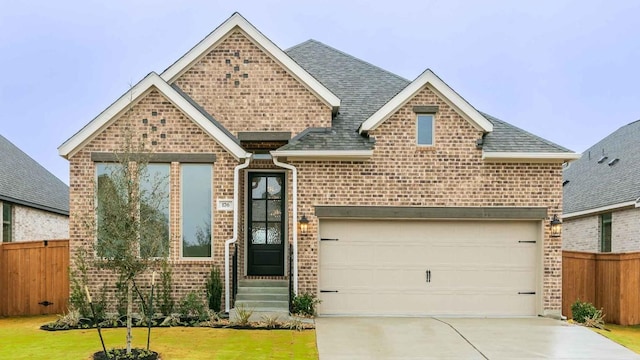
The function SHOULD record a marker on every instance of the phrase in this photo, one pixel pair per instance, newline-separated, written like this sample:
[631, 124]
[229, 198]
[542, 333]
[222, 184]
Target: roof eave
[601, 209]
[324, 155]
[238, 21]
[427, 78]
[529, 156]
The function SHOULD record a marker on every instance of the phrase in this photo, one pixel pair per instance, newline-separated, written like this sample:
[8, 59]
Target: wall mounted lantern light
[304, 224]
[556, 226]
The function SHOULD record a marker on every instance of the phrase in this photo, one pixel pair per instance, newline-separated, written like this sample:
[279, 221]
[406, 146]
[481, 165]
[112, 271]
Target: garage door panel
[476, 268]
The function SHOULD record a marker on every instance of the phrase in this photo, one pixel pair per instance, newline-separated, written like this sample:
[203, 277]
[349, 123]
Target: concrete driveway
[461, 338]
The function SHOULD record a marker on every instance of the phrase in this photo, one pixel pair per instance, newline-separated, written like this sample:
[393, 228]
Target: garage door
[473, 268]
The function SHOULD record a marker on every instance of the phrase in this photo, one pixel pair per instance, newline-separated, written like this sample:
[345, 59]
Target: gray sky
[564, 70]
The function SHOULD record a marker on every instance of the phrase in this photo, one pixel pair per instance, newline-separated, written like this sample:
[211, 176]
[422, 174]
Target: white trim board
[428, 77]
[237, 21]
[617, 206]
[130, 98]
[529, 156]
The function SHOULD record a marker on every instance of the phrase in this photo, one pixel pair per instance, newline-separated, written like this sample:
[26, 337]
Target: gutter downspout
[294, 263]
[236, 175]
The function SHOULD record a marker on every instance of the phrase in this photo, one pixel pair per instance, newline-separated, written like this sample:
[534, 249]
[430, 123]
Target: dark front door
[266, 224]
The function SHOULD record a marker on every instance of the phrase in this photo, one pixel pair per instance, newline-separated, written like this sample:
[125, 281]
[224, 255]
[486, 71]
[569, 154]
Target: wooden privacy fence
[608, 281]
[34, 277]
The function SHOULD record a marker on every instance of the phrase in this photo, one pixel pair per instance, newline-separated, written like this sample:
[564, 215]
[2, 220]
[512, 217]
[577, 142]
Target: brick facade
[34, 224]
[451, 173]
[583, 234]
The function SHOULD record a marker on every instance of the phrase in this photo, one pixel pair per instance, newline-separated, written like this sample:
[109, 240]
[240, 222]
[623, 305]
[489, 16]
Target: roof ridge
[34, 160]
[598, 144]
[548, 142]
[349, 56]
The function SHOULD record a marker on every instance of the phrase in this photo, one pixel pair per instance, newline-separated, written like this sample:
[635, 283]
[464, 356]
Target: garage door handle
[526, 292]
[428, 274]
[328, 291]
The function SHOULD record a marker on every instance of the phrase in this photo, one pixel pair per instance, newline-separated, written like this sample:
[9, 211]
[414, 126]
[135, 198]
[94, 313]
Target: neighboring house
[34, 203]
[391, 196]
[602, 194]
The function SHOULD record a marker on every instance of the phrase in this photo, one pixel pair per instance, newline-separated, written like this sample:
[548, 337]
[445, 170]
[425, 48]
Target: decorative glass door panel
[266, 220]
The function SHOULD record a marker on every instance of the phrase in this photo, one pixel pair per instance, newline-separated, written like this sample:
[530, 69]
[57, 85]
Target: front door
[266, 224]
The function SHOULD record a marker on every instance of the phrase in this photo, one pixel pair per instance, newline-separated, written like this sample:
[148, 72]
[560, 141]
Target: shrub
[583, 310]
[192, 306]
[214, 289]
[243, 315]
[78, 280]
[165, 300]
[304, 304]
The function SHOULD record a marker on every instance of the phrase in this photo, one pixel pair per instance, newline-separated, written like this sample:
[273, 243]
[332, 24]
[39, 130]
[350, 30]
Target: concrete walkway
[461, 338]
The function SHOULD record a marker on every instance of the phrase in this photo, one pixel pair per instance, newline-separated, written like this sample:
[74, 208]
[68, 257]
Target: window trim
[181, 217]
[606, 219]
[433, 130]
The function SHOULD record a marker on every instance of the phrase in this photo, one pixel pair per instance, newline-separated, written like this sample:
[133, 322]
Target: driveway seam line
[462, 336]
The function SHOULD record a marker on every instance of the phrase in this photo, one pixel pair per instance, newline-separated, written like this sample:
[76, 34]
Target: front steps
[264, 298]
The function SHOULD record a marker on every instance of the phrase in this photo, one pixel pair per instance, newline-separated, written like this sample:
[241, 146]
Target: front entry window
[266, 225]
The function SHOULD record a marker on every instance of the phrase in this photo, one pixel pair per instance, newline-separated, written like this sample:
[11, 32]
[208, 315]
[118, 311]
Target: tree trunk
[129, 311]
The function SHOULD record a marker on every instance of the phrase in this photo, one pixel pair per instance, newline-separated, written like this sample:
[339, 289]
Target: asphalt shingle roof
[363, 89]
[24, 181]
[592, 185]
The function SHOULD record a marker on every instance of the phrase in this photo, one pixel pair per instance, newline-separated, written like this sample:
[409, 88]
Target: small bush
[214, 289]
[165, 300]
[583, 310]
[192, 306]
[78, 280]
[304, 304]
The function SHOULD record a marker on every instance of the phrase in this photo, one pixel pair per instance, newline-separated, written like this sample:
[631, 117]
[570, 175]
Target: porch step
[263, 298]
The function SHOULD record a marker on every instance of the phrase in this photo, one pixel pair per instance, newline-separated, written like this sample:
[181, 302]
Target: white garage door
[382, 267]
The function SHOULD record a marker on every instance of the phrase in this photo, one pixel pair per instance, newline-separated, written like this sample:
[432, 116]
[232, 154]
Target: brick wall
[267, 99]
[34, 224]
[180, 135]
[583, 234]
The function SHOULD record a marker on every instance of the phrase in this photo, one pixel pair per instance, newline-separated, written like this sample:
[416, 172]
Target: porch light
[304, 224]
[556, 226]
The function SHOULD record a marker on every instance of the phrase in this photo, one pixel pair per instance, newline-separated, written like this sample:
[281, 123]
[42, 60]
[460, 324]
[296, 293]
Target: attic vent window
[602, 159]
[565, 182]
[613, 162]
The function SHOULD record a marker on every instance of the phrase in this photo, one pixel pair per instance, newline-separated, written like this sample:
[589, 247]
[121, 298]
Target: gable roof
[136, 93]
[427, 78]
[365, 89]
[23, 181]
[597, 186]
[237, 21]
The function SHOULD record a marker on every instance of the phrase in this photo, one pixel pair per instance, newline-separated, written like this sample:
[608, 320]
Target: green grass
[21, 338]
[628, 336]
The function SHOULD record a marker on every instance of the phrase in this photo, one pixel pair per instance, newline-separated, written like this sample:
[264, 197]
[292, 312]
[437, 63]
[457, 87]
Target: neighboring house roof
[220, 33]
[137, 92]
[598, 184]
[23, 181]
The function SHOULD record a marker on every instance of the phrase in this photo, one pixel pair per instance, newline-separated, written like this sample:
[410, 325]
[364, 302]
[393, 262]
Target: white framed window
[196, 241]
[425, 126]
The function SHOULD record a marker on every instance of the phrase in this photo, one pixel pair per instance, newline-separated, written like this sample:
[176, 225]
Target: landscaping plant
[214, 289]
[587, 314]
[304, 304]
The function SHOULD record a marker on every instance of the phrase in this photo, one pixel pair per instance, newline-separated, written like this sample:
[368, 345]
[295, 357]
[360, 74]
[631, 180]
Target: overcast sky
[568, 71]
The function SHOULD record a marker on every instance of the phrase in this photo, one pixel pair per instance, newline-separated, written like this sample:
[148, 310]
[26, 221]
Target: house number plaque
[225, 205]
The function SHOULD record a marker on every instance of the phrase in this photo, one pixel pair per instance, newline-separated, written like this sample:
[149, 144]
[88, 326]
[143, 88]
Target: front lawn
[628, 336]
[21, 338]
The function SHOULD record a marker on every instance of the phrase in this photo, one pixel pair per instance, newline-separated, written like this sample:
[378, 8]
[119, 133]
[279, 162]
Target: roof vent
[613, 162]
[565, 182]
[602, 159]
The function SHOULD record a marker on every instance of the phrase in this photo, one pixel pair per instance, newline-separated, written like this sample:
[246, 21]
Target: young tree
[132, 228]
